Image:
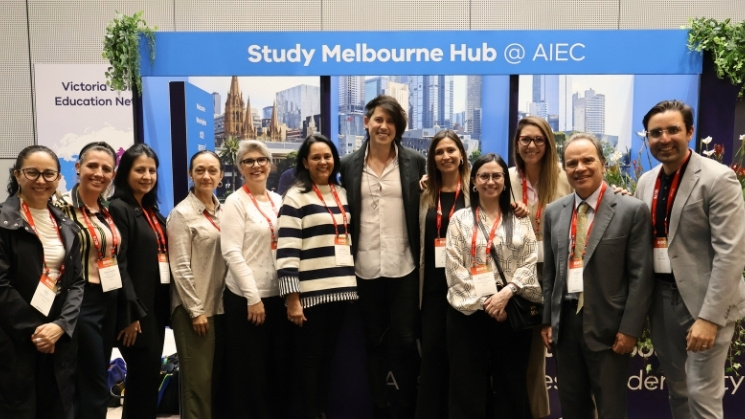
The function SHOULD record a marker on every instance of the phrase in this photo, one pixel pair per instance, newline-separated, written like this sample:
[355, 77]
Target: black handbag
[521, 313]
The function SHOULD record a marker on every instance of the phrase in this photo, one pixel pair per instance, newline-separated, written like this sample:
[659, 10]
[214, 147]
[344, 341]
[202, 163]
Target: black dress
[432, 401]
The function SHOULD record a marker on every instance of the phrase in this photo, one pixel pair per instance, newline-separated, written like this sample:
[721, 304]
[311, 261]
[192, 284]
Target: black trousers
[488, 364]
[315, 344]
[389, 310]
[432, 400]
[143, 369]
[258, 358]
[586, 375]
[95, 330]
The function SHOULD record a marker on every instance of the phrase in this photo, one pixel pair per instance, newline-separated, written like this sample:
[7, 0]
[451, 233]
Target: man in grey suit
[698, 220]
[597, 285]
[382, 183]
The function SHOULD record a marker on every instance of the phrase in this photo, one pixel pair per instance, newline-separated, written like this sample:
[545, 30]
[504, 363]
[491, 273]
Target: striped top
[73, 207]
[306, 261]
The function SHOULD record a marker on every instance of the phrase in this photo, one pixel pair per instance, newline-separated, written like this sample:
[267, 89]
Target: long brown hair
[435, 177]
[548, 179]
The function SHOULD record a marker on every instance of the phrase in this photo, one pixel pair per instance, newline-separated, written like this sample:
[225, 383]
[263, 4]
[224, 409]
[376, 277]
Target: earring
[219, 184]
[461, 162]
[474, 189]
[77, 173]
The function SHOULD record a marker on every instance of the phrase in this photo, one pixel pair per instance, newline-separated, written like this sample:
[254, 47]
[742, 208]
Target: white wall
[71, 31]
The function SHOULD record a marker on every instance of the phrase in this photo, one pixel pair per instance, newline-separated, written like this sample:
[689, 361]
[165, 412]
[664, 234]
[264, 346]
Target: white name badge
[440, 253]
[540, 251]
[483, 281]
[343, 252]
[661, 257]
[108, 272]
[165, 270]
[575, 282]
[44, 296]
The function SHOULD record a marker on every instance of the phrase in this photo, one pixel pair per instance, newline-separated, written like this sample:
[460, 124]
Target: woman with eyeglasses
[258, 332]
[198, 282]
[446, 192]
[315, 267]
[41, 289]
[87, 206]
[481, 344]
[538, 180]
[144, 261]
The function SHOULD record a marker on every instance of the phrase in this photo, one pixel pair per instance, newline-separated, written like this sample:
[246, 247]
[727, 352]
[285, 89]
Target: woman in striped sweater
[315, 266]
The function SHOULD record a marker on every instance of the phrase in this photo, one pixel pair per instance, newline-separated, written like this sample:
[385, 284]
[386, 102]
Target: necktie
[580, 242]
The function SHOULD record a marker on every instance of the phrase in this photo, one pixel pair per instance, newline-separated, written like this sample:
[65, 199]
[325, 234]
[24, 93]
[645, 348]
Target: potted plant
[121, 48]
[725, 41]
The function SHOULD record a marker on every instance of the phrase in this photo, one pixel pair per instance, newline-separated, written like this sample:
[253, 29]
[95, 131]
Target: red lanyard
[155, 225]
[489, 241]
[92, 232]
[30, 220]
[209, 218]
[268, 220]
[439, 207]
[538, 210]
[670, 194]
[589, 228]
[338, 204]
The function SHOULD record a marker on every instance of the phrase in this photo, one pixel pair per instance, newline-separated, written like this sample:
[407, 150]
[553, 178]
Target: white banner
[74, 107]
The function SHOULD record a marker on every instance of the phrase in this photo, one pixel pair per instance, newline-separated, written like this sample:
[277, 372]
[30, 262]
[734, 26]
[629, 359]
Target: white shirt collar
[591, 200]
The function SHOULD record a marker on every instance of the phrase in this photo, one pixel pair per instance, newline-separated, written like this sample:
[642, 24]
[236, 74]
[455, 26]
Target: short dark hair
[390, 105]
[504, 198]
[584, 136]
[121, 180]
[302, 174]
[13, 186]
[671, 105]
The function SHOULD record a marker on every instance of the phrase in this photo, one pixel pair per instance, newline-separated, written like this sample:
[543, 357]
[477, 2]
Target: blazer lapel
[603, 216]
[403, 168]
[562, 234]
[687, 183]
[649, 186]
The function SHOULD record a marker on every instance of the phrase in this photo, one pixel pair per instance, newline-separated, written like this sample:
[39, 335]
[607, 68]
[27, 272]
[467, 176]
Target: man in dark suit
[597, 285]
[699, 255]
[382, 186]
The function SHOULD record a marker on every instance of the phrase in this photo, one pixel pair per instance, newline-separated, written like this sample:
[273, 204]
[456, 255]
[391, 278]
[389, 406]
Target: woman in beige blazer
[537, 180]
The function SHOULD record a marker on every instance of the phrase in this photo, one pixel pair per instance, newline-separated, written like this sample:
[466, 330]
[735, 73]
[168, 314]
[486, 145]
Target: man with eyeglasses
[699, 255]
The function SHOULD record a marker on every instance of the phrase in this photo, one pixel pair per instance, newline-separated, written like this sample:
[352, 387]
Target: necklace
[375, 199]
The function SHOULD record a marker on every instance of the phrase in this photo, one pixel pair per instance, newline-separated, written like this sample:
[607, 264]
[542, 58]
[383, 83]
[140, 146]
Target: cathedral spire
[249, 130]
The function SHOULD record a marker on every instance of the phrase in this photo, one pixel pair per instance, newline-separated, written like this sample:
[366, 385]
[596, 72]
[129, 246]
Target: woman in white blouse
[198, 281]
[255, 316]
[480, 341]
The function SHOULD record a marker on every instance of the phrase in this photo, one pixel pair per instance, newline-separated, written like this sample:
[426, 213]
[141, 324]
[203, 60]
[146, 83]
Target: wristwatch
[512, 288]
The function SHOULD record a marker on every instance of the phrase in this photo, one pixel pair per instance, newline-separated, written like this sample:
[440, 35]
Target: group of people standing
[266, 280]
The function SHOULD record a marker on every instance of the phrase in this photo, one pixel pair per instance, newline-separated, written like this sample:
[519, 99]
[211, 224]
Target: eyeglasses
[657, 132]
[261, 161]
[34, 174]
[525, 140]
[486, 177]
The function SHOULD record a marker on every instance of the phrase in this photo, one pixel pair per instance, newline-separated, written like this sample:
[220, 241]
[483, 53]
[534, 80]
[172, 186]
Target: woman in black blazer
[144, 260]
[37, 343]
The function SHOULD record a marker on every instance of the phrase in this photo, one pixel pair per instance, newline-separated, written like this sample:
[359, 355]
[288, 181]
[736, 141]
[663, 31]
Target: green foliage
[474, 155]
[288, 162]
[121, 48]
[228, 153]
[726, 43]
